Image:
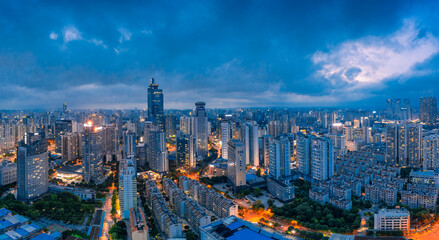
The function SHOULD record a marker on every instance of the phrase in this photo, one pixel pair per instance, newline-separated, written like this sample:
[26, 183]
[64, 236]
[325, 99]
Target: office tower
[428, 110]
[93, 153]
[32, 167]
[225, 137]
[249, 136]
[430, 152]
[236, 167]
[187, 125]
[157, 153]
[280, 158]
[403, 145]
[127, 186]
[62, 126]
[155, 105]
[201, 129]
[266, 141]
[303, 148]
[186, 151]
[71, 146]
[129, 142]
[322, 158]
[170, 125]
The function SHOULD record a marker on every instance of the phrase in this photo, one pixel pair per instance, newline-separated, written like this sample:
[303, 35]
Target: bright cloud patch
[125, 35]
[370, 60]
[71, 33]
[53, 36]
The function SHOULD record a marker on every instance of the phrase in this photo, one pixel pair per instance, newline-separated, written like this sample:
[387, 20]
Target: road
[108, 221]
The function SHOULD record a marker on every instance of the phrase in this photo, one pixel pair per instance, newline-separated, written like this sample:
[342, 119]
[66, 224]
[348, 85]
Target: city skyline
[298, 55]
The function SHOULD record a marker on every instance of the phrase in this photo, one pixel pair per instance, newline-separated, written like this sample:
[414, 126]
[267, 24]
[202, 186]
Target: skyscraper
[428, 109]
[201, 129]
[236, 167]
[32, 167]
[157, 153]
[280, 158]
[129, 142]
[186, 151]
[93, 153]
[225, 138]
[155, 105]
[127, 186]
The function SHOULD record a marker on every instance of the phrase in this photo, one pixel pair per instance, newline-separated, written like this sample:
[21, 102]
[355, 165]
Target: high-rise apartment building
[71, 146]
[315, 156]
[225, 138]
[155, 105]
[266, 141]
[428, 109]
[170, 125]
[236, 167]
[32, 167]
[249, 136]
[201, 129]
[303, 148]
[280, 158]
[93, 153]
[187, 125]
[62, 127]
[430, 152]
[403, 145]
[322, 158]
[127, 186]
[157, 153]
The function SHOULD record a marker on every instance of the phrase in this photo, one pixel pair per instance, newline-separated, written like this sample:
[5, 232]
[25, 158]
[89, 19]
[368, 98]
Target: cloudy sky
[98, 54]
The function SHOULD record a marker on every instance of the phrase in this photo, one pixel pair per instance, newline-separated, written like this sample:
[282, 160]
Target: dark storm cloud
[227, 53]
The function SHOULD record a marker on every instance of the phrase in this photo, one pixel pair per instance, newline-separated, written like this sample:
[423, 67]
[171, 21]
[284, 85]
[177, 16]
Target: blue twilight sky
[101, 54]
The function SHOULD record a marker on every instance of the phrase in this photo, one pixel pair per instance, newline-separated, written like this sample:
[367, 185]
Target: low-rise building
[83, 193]
[392, 219]
[138, 227]
[280, 189]
[8, 172]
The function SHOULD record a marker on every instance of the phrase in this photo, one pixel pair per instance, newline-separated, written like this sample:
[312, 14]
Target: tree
[270, 202]
[257, 191]
[258, 173]
[118, 230]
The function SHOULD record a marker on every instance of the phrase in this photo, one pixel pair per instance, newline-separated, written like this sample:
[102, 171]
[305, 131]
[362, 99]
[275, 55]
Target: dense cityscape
[265, 173]
[219, 120]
